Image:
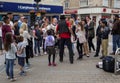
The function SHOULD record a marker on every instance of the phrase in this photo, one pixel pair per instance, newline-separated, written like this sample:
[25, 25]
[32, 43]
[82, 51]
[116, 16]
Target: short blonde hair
[72, 21]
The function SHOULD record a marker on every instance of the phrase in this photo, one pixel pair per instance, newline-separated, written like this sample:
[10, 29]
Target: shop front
[71, 13]
[97, 13]
[24, 8]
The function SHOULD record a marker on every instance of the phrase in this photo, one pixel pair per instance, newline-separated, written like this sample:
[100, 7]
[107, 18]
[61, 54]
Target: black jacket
[98, 31]
[105, 33]
[116, 28]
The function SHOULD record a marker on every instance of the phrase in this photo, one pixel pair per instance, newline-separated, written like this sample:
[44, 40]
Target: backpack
[108, 64]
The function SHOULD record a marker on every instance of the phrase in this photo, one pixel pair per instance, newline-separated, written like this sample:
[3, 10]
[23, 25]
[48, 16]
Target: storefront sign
[23, 7]
[104, 9]
[115, 11]
[70, 12]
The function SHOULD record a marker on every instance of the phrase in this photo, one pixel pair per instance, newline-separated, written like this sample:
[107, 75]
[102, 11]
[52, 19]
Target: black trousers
[90, 42]
[80, 49]
[27, 54]
[62, 41]
[98, 45]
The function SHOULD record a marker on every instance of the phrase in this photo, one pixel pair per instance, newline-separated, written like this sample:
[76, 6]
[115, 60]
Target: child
[21, 55]
[10, 49]
[49, 45]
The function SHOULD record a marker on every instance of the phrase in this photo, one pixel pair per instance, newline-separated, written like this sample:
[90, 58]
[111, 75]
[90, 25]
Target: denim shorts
[21, 61]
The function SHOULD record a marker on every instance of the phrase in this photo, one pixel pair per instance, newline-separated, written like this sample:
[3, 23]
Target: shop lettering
[25, 7]
[32, 8]
[1, 6]
[115, 11]
[43, 8]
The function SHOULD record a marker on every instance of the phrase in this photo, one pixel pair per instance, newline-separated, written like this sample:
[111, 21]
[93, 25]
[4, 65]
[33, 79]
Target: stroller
[117, 62]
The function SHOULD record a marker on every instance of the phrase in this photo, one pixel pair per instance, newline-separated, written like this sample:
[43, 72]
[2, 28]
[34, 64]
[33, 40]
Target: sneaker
[8, 77]
[22, 74]
[45, 53]
[102, 57]
[61, 60]
[96, 55]
[113, 53]
[79, 58]
[39, 54]
[54, 64]
[71, 62]
[84, 54]
[88, 55]
[13, 79]
[49, 64]
[36, 54]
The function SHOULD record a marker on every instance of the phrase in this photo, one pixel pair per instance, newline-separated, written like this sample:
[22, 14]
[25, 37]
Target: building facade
[96, 9]
[26, 6]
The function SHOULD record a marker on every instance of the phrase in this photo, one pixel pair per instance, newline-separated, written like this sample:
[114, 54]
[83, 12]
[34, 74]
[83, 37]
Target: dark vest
[63, 28]
[38, 34]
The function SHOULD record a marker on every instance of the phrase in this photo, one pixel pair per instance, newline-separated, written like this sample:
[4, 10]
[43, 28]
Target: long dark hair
[8, 41]
[81, 25]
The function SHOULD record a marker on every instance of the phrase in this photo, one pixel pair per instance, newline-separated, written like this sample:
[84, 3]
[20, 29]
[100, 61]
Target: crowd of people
[21, 42]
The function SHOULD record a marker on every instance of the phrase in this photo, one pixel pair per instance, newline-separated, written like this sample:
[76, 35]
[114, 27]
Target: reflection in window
[83, 3]
[117, 3]
[105, 3]
[67, 4]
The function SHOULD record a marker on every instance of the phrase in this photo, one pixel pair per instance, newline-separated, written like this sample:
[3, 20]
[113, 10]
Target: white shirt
[11, 25]
[0, 31]
[26, 36]
[44, 32]
[10, 54]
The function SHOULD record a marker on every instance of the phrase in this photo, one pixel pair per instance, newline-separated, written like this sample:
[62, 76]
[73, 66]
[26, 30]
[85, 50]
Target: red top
[5, 29]
[65, 34]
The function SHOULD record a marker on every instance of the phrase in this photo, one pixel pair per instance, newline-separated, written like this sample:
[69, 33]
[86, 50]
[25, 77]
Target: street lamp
[37, 3]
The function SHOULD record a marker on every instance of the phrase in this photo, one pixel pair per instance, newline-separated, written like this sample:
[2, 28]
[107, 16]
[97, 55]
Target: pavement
[82, 71]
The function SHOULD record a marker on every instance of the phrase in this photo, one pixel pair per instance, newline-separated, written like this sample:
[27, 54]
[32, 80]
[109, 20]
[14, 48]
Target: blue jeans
[116, 42]
[37, 46]
[9, 67]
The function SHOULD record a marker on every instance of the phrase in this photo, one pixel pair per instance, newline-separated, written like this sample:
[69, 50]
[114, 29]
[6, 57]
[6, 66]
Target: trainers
[45, 53]
[13, 79]
[102, 57]
[39, 54]
[88, 55]
[49, 64]
[79, 58]
[36, 54]
[71, 62]
[113, 53]
[96, 55]
[54, 64]
[22, 73]
[8, 77]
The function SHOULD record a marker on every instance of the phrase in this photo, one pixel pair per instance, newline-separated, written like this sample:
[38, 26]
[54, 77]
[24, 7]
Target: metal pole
[37, 3]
